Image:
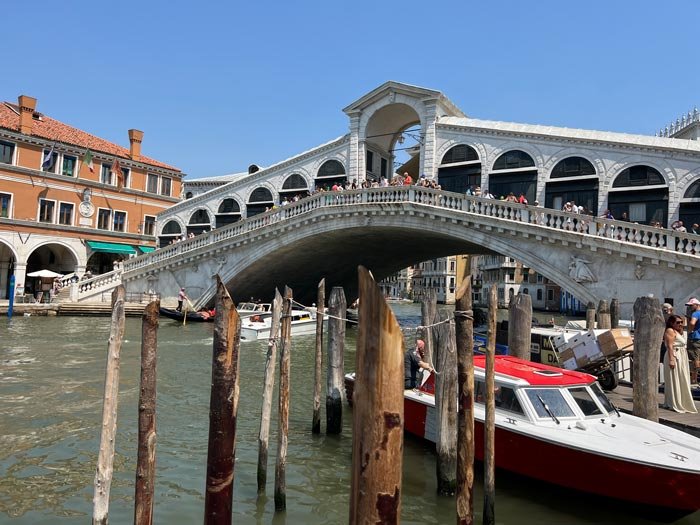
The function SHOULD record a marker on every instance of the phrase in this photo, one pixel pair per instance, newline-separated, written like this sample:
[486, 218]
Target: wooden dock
[72, 309]
[622, 398]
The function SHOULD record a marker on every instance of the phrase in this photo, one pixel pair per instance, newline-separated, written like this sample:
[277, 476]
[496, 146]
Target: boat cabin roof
[536, 374]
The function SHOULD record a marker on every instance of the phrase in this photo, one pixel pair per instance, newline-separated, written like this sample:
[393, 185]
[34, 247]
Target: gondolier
[181, 297]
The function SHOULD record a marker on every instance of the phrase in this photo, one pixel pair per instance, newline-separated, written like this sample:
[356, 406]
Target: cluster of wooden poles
[378, 401]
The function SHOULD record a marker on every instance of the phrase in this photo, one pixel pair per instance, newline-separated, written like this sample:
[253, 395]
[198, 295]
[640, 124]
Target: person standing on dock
[694, 339]
[677, 395]
[413, 362]
[181, 296]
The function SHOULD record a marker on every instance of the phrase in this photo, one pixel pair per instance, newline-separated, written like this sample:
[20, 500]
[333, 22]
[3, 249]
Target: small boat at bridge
[558, 426]
[258, 326]
[250, 308]
[203, 316]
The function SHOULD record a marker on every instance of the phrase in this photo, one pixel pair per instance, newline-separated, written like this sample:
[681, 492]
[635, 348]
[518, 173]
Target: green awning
[110, 247]
[146, 249]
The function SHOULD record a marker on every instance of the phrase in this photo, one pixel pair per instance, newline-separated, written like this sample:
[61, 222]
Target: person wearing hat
[413, 362]
[694, 339]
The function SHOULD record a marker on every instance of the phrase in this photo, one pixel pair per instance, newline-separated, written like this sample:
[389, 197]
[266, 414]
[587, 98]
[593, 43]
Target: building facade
[70, 201]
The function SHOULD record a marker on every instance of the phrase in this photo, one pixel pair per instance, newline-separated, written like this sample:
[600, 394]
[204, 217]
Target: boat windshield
[556, 405]
[584, 401]
[602, 398]
[247, 306]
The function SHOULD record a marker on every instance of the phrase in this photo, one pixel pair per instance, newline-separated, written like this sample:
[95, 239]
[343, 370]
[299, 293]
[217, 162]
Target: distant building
[398, 285]
[57, 214]
[444, 275]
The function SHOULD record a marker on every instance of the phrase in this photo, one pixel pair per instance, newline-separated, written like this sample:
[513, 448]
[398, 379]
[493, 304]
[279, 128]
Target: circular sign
[86, 209]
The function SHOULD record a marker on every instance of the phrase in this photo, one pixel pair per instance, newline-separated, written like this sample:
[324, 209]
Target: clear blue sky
[217, 86]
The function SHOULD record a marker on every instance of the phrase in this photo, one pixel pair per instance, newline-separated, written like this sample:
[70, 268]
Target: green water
[51, 381]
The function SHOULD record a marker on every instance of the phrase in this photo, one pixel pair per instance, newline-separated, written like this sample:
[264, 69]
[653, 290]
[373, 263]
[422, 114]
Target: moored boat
[250, 308]
[558, 426]
[204, 316]
[258, 326]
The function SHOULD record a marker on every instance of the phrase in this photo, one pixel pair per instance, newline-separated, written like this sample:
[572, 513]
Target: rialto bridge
[385, 229]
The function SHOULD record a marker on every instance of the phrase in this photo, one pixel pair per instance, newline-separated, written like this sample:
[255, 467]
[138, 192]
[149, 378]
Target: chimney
[135, 138]
[27, 105]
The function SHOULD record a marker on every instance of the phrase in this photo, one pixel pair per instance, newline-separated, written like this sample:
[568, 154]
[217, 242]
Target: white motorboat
[248, 309]
[258, 325]
[558, 426]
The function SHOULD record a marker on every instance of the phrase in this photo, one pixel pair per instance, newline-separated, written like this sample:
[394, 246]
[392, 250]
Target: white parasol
[48, 274]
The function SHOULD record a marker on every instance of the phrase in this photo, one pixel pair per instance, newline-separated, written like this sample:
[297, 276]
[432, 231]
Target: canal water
[51, 381]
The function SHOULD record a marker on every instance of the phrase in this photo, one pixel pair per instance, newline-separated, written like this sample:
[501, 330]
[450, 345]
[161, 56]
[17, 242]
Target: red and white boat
[558, 426]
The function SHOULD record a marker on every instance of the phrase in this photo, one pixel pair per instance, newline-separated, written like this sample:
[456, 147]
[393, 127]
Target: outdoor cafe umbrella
[46, 274]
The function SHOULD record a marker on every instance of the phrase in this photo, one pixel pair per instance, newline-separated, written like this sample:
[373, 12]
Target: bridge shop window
[294, 186]
[171, 232]
[641, 193]
[460, 169]
[689, 211]
[260, 201]
[331, 172]
[577, 182]
[199, 222]
[228, 213]
[514, 172]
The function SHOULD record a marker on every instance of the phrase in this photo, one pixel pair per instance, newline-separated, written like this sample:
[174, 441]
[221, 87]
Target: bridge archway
[229, 211]
[259, 201]
[514, 172]
[689, 211]
[641, 193]
[170, 232]
[199, 222]
[573, 178]
[293, 186]
[329, 173]
[460, 169]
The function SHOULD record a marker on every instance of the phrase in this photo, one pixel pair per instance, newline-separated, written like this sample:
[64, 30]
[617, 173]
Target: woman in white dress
[677, 395]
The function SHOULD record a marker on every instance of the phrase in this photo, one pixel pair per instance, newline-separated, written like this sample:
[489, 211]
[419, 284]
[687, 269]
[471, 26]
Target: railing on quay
[627, 232]
[94, 284]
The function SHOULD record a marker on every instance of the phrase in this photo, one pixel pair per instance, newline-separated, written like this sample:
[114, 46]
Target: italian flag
[87, 159]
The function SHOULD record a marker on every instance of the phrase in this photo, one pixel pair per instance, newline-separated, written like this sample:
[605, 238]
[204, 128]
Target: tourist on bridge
[413, 363]
[694, 339]
[407, 179]
[677, 395]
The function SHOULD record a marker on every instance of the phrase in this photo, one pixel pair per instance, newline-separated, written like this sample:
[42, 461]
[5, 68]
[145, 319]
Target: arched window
[583, 191]
[228, 213]
[331, 172]
[693, 191]
[294, 186]
[188, 195]
[460, 169]
[199, 222]
[259, 201]
[573, 167]
[171, 231]
[509, 175]
[689, 211]
[631, 195]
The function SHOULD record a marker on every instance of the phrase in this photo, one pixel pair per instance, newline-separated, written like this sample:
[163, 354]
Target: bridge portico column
[428, 146]
[356, 152]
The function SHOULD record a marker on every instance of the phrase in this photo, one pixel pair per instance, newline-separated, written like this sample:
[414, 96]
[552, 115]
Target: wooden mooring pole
[446, 407]
[590, 316]
[223, 408]
[614, 312]
[335, 379]
[428, 310]
[269, 383]
[283, 409]
[105, 458]
[318, 368]
[146, 451]
[378, 415]
[648, 332]
[464, 332]
[490, 416]
[519, 326]
[604, 316]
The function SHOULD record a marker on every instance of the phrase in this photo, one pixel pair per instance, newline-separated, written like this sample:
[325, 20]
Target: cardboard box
[613, 341]
[583, 349]
[567, 359]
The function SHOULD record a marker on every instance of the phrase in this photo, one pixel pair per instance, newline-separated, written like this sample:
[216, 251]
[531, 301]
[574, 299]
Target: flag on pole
[47, 161]
[87, 159]
[116, 169]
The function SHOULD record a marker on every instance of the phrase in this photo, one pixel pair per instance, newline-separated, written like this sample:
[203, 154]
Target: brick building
[58, 214]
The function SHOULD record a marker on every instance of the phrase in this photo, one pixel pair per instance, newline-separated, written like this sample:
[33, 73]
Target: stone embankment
[75, 309]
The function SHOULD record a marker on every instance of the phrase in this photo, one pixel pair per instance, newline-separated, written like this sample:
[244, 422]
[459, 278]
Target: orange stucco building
[58, 214]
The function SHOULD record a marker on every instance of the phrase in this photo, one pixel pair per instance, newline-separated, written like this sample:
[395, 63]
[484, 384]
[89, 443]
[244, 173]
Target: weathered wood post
[377, 438]
[590, 316]
[614, 312]
[269, 383]
[648, 332]
[428, 310]
[105, 458]
[490, 416]
[283, 409]
[223, 409]
[146, 451]
[335, 379]
[604, 315]
[318, 369]
[446, 408]
[519, 326]
[464, 332]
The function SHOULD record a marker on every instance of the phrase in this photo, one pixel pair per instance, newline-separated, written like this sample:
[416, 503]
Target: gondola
[197, 317]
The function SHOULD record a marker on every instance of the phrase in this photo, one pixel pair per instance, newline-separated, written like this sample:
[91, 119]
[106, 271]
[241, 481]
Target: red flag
[116, 169]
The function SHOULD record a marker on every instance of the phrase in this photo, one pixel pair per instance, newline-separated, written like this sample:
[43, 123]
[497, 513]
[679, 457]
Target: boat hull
[573, 468]
[252, 333]
[194, 317]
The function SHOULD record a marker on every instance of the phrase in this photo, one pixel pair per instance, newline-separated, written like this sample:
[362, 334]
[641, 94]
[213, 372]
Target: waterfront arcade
[58, 214]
